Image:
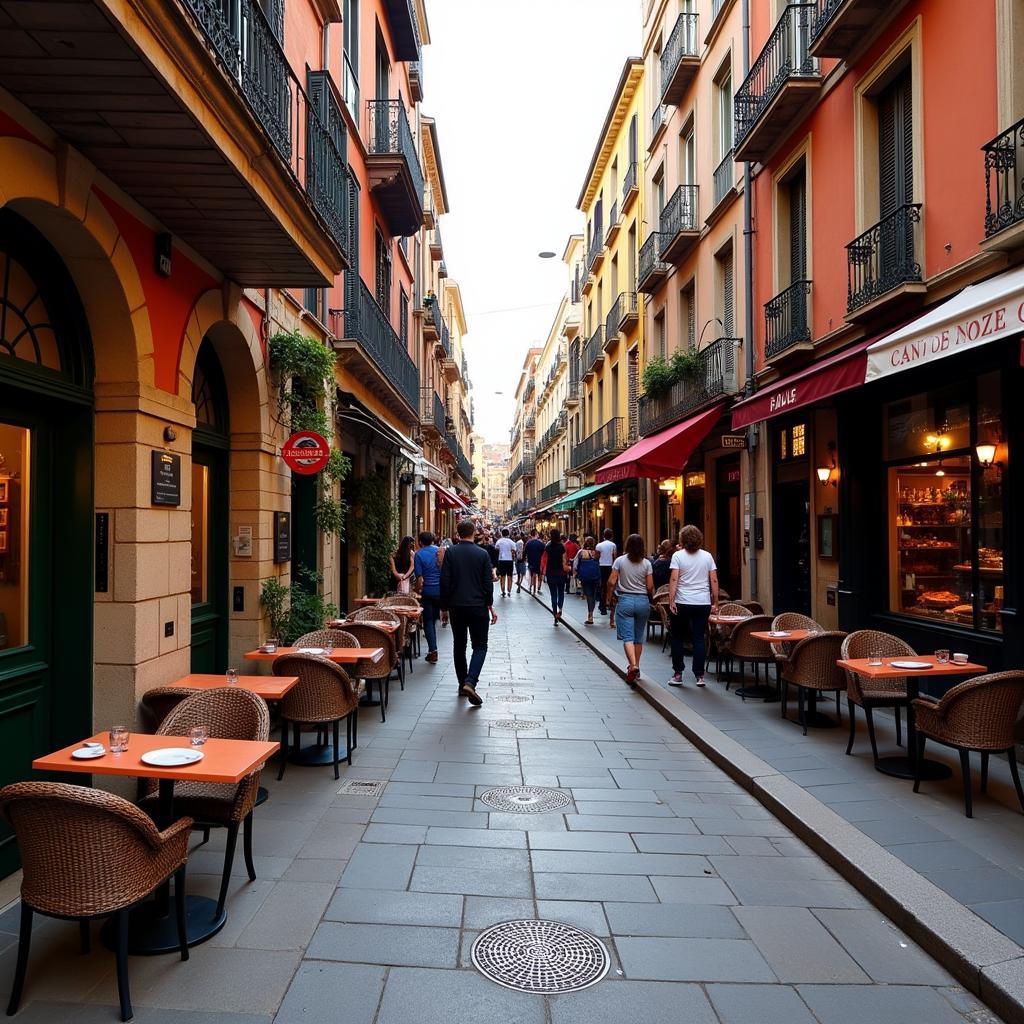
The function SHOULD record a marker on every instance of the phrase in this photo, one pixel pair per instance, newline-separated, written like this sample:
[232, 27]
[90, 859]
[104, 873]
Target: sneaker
[676, 680]
[432, 658]
[700, 680]
[470, 692]
[631, 675]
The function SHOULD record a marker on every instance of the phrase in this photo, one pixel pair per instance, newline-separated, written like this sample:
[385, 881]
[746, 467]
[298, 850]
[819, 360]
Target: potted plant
[657, 379]
[687, 364]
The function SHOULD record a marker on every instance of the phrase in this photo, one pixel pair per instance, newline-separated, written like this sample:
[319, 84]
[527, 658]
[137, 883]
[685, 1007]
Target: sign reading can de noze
[306, 452]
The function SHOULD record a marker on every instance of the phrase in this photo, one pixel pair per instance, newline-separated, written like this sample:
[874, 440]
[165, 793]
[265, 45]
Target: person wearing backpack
[588, 572]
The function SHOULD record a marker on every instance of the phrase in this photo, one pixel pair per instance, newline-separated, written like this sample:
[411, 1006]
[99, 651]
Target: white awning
[982, 313]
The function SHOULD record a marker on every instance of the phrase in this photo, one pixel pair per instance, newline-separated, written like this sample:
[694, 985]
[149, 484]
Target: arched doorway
[211, 442]
[46, 523]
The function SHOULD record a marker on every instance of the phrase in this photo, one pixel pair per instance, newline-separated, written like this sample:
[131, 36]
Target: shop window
[792, 442]
[14, 535]
[25, 326]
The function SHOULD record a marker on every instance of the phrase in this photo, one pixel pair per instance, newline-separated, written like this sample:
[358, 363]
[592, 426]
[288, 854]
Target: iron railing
[681, 43]
[463, 465]
[525, 467]
[884, 257]
[596, 245]
[630, 181]
[785, 319]
[389, 134]
[327, 180]
[1004, 179]
[549, 491]
[531, 385]
[608, 438]
[650, 261]
[416, 77]
[432, 410]
[679, 215]
[624, 308]
[658, 118]
[716, 376]
[530, 422]
[613, 219]
[725, 177]
[785, 55]
[593, 350]
[446, 340]
[826, 10]
[367, 325]
[436, 319]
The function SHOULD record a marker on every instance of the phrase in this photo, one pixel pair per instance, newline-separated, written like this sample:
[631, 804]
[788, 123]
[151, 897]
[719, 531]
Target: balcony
[463, 467]
[717, 376]
[531, 422]
[432, 414]
[443, 348]
[653, 270]
[841, 26]
[623, 315]
[393, 168]
[678, 225]
[614, 223]
[552, 490]
[593, 352]
[659, 118]
[526, 467]
[449, 364]
[630, 187]
[680, 60]
[436, 248]
[416, 81]
[1004, 190]
[787, 324]
[200, 120]
[725, 180]
[373, 353]
[573, 393]
[882, 264]
[531, 386]
[432, 321]
[784, 81]
[405, 30]
[595, 255]
[608, 439]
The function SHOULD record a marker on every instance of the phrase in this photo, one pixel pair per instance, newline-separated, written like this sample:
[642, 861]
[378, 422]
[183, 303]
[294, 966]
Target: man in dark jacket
[467, 597]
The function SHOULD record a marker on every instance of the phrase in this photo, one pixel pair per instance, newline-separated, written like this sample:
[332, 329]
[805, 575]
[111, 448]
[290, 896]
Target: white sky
[519, 91]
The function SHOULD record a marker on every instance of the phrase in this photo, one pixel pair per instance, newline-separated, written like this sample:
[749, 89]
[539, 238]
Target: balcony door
[895, 171]
[382, 72]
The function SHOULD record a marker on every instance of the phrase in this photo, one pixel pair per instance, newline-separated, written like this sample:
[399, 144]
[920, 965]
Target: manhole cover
[524, 799]
[512, 698]
[363, 787]
[516, 725]
[540, 956]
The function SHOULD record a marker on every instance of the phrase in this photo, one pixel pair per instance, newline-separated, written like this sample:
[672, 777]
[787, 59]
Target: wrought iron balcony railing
[416, 79]
[682, 42]
[717, 376]
[327, 180]
[652, 268]
[593, 350]
[884, 257]
[630, 184]
[531, 386]
[658, 118]
[1004, 179]
[531, 421]
[613, 223]
[785, 55]
[678, 217]
[463, 465]
[596, 247]
[609, 438]
[446, 340]
[432, 412]
[389, 134]
[549, 491]
[786, 322]
[725, 177]
[625, 310]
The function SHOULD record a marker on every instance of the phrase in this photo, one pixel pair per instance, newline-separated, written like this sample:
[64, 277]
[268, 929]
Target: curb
[986, 962]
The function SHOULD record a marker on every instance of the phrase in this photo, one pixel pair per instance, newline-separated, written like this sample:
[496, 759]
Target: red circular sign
[306, 452]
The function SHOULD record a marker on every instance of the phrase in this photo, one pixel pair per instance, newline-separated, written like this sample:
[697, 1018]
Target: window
[724, 114]
[15, 491]
[726, 292]
[895, 146]
[383, 279]
[403, 318]
[793, 442]
[687, 156]
[688, 316]
[382, 71]
[659, 334]
[614, 180]
[796, 194]
[631, 283]
[350, 57]
[311, 300]
[659, 190]
[633, 157]
[599, 218]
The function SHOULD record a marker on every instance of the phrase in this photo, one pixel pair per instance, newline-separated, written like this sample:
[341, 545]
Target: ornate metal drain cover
[516, 725]
[362, 787]
[540, 956]
[512, 698]
[525, 799]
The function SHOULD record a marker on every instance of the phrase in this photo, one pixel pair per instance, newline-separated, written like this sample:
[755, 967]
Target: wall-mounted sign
[165, 483]
[695, 479]
[243, 542]
[306, 452]
[282, 537]
[734, 440]
[102, 559]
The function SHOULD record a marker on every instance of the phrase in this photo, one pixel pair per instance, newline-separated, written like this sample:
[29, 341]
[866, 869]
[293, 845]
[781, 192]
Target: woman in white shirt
[631, 579]
[693, 596]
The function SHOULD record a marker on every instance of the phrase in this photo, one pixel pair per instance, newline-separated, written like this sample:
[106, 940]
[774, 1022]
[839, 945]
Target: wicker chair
[86, 853]
[745, 648]
[874, 693]
[718, 635]
[326, 638]
[979, 714]
[412, 626]
[792, 620]
[158, 703]
[659, 615]
[380, 672]
[229, 713]
[323, 696]
[396, 639]
[812, 669]
[754, 607]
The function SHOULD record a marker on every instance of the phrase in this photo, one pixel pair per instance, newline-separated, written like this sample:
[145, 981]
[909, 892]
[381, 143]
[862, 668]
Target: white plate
[911, 664]
[172, 757]
[779, 632]
[88, 753]
[311, 650]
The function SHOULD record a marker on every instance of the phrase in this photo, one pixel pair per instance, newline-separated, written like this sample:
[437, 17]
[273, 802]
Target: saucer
[88, 753]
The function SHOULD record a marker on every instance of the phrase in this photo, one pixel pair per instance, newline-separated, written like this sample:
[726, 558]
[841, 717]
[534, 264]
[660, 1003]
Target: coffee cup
[959, 659]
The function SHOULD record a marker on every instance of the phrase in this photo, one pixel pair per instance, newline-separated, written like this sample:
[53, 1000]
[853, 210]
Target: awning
[664, 453]
[980, 314]
[838, 372]
[575, 497]
[447, 498]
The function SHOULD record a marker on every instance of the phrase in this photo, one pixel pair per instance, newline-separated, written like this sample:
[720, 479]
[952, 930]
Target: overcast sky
[520, 91]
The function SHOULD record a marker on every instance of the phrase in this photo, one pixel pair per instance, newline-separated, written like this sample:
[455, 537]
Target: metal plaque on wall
[282, 537]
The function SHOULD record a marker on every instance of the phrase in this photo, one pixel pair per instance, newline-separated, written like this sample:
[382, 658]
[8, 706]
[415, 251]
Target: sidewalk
[978, 863]
[367, 907]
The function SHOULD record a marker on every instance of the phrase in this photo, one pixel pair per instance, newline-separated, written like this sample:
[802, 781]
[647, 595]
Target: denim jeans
[631, 614]
[430, 613]
[694, 617]
[590, 592]
[556, 585]
[476, 623]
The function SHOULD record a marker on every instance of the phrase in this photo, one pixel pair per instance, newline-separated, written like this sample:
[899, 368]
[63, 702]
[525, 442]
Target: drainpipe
[748, 326]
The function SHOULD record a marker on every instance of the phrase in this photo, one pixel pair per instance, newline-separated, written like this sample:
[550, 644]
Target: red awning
[664, 453]
[838, 372]
[446, 498]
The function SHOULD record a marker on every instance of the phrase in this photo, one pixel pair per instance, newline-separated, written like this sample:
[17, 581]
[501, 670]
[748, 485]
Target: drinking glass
[198, 735]
[942, 656]
[271, 645]
[231, 676]
[118, 739]
[875, 658]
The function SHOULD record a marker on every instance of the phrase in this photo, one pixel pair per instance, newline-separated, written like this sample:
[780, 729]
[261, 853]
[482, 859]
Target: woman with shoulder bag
[588, 572]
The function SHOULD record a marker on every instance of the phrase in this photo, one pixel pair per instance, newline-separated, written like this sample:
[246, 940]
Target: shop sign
[306, 452]
[282, 537]
[165, 479]
[734, 440]
[102, 554]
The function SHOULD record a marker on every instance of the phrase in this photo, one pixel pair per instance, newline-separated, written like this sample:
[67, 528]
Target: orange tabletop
[387, 627]
[339, 655]
[225, 761]
[792, 636]
[887, 671]
[267, 687]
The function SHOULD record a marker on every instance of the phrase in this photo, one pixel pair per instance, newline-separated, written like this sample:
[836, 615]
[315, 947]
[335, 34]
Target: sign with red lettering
[306, 452]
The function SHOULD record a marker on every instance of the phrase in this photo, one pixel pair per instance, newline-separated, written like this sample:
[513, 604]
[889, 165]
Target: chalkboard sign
[282, 537]
[165, 486]
[102, 552]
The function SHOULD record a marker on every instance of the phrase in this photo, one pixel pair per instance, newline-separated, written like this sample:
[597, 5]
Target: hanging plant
[657, 377]
[330, 513]
[371, 521]
[304, 368]
[687, 364]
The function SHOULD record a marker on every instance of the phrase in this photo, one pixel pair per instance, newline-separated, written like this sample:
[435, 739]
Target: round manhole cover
[540, 956]
[513, 698]
[516, 725]
[524, 799]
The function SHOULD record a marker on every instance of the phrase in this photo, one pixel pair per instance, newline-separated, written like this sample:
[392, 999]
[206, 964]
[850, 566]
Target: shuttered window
[383, 275]
[688, 315]
[895, 146]
[728, 294]
[798, 228]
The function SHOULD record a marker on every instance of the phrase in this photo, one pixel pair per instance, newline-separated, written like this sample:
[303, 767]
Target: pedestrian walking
[467, 599]
[427, 568]
[506, 548]
[572, 549]
[606, 553]
[555, 568]
[487, 543]
[632, 580]
[693, 596]
[534, 552]
[520, 562]
[661, 567]
[588, 572]
[401, 565]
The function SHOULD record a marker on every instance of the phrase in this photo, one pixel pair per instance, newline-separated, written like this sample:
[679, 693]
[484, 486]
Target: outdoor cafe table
[267, 687]
[900, 766]
[790, 636]
[726, 620]
[384, 627]
[339, 655]
[152, 927]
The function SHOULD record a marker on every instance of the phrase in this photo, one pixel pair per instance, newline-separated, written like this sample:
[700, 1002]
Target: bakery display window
[946, 458]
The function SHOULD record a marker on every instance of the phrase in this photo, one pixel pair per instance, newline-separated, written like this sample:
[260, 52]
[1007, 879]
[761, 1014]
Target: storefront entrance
[728, 549]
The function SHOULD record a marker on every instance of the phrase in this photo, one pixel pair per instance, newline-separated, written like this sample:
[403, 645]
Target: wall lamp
[827, 474]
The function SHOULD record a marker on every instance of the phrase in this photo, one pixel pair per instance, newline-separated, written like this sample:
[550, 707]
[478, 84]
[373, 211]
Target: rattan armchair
[754, 607]
[158, 703]
[718, 634]
[378, 672]
[86, 853]
[874, 693]
[229, 713]
[326, 638]
[739, 644]
[659, 615]
[324, 695]
[397, 639]
[411, 626]
[812, 669]
[979, 714]
[792, 620]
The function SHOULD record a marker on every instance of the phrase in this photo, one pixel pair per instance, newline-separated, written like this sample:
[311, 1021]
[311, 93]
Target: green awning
[573, 499]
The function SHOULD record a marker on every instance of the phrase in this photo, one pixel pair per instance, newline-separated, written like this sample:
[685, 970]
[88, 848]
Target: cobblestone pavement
[366, 908]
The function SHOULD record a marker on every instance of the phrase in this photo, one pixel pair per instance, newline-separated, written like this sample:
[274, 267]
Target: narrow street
[366, 908]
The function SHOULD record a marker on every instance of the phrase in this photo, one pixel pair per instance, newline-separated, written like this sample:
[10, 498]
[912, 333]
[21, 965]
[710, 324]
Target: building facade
[522, 475]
